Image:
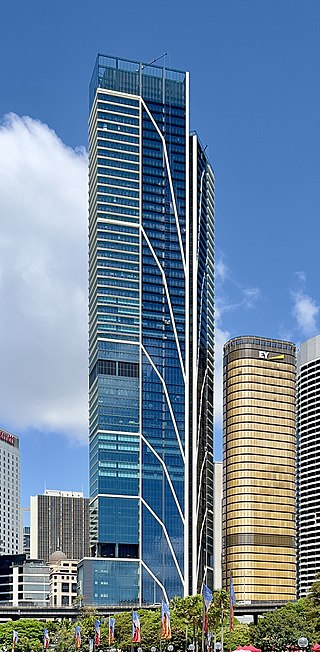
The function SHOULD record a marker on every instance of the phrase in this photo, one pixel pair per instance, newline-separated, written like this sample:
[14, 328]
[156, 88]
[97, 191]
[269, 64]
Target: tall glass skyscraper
[151, 241]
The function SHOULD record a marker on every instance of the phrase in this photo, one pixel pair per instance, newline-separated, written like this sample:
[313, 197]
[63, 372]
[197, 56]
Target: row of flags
[165, 619]
[136, 630]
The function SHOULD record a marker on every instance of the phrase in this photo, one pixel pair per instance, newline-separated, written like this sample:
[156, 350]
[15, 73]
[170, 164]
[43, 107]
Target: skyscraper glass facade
[151, 337]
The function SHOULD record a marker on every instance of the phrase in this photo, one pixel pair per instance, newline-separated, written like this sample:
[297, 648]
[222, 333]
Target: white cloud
[301, 276]
[221, 270]
[221, 337]
[305, 311]
[43, 280]
[250, 296]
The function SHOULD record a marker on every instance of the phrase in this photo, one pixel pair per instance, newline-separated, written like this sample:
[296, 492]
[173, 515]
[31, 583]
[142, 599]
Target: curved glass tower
[151, 338]
[259, 469]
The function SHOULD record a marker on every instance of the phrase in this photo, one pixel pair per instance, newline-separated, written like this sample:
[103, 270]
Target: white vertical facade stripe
[187, 587]
[194, 361]
[140, 353]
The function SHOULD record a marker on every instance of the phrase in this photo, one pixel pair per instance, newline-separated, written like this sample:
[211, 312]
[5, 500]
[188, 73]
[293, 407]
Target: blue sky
[255, 101]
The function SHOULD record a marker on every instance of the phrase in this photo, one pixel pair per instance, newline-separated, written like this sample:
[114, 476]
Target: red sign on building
[9, 439]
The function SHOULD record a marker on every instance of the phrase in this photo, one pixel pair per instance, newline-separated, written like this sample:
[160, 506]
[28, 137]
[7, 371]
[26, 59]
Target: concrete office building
[23, 581]
[59, 520]
[63, 580]
[30, 582]
[9, 493]
[308, 484]
[259, 469]
[151, 251]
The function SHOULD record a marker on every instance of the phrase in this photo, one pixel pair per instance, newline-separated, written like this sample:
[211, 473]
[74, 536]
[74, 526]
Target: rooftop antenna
[145, 65]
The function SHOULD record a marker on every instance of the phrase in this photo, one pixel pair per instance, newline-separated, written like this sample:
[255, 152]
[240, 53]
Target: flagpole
[222, 629]
[203, 625]
[230, 619]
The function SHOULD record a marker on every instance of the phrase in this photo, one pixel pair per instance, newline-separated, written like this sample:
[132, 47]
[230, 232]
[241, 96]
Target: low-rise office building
[63, 580]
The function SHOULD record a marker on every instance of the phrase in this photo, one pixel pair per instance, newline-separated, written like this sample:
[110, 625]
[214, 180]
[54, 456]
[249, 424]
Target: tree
[312, 604]
[283, 627]
[30, 634]
[189, 611]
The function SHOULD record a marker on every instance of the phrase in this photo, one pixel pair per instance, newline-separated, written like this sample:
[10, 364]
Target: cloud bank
[43, 280]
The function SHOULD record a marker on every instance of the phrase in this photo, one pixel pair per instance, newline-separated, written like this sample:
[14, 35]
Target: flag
[15, 639]
[165, 620]
[97, 632]
[136, 634]
[232, 603]
[112, 622]
[46, 639]
[207, 599]
[78, 637]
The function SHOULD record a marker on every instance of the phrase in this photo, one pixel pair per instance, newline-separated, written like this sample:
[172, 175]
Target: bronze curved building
[259, 469]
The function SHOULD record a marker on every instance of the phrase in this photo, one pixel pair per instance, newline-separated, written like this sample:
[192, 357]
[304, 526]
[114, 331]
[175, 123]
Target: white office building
[30, 583]
[9, 493]
[308, 482]
[63, 580]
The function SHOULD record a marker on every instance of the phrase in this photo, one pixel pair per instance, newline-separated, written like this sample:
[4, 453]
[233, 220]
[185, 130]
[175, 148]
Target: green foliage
[312, 606]
[283, 627]
[275, 631]
[187, 612]
[30, 634]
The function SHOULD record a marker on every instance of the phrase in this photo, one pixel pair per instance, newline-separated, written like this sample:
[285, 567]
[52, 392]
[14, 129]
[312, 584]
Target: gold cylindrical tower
[259, 469]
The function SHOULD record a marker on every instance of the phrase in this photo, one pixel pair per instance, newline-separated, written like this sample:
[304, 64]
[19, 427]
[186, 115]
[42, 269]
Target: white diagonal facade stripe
[146, 567]
[168, 299]
[168, 401]
[167, 538]
[167, 476]
[174, 203]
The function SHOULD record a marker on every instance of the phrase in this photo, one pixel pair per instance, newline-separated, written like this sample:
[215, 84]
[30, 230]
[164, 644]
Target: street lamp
[153, 649]
[170, 648]
[191, 647]
[303, 643]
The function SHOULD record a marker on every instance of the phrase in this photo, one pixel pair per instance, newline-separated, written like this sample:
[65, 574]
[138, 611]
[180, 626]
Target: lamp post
[170, 648]
[303, 643]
